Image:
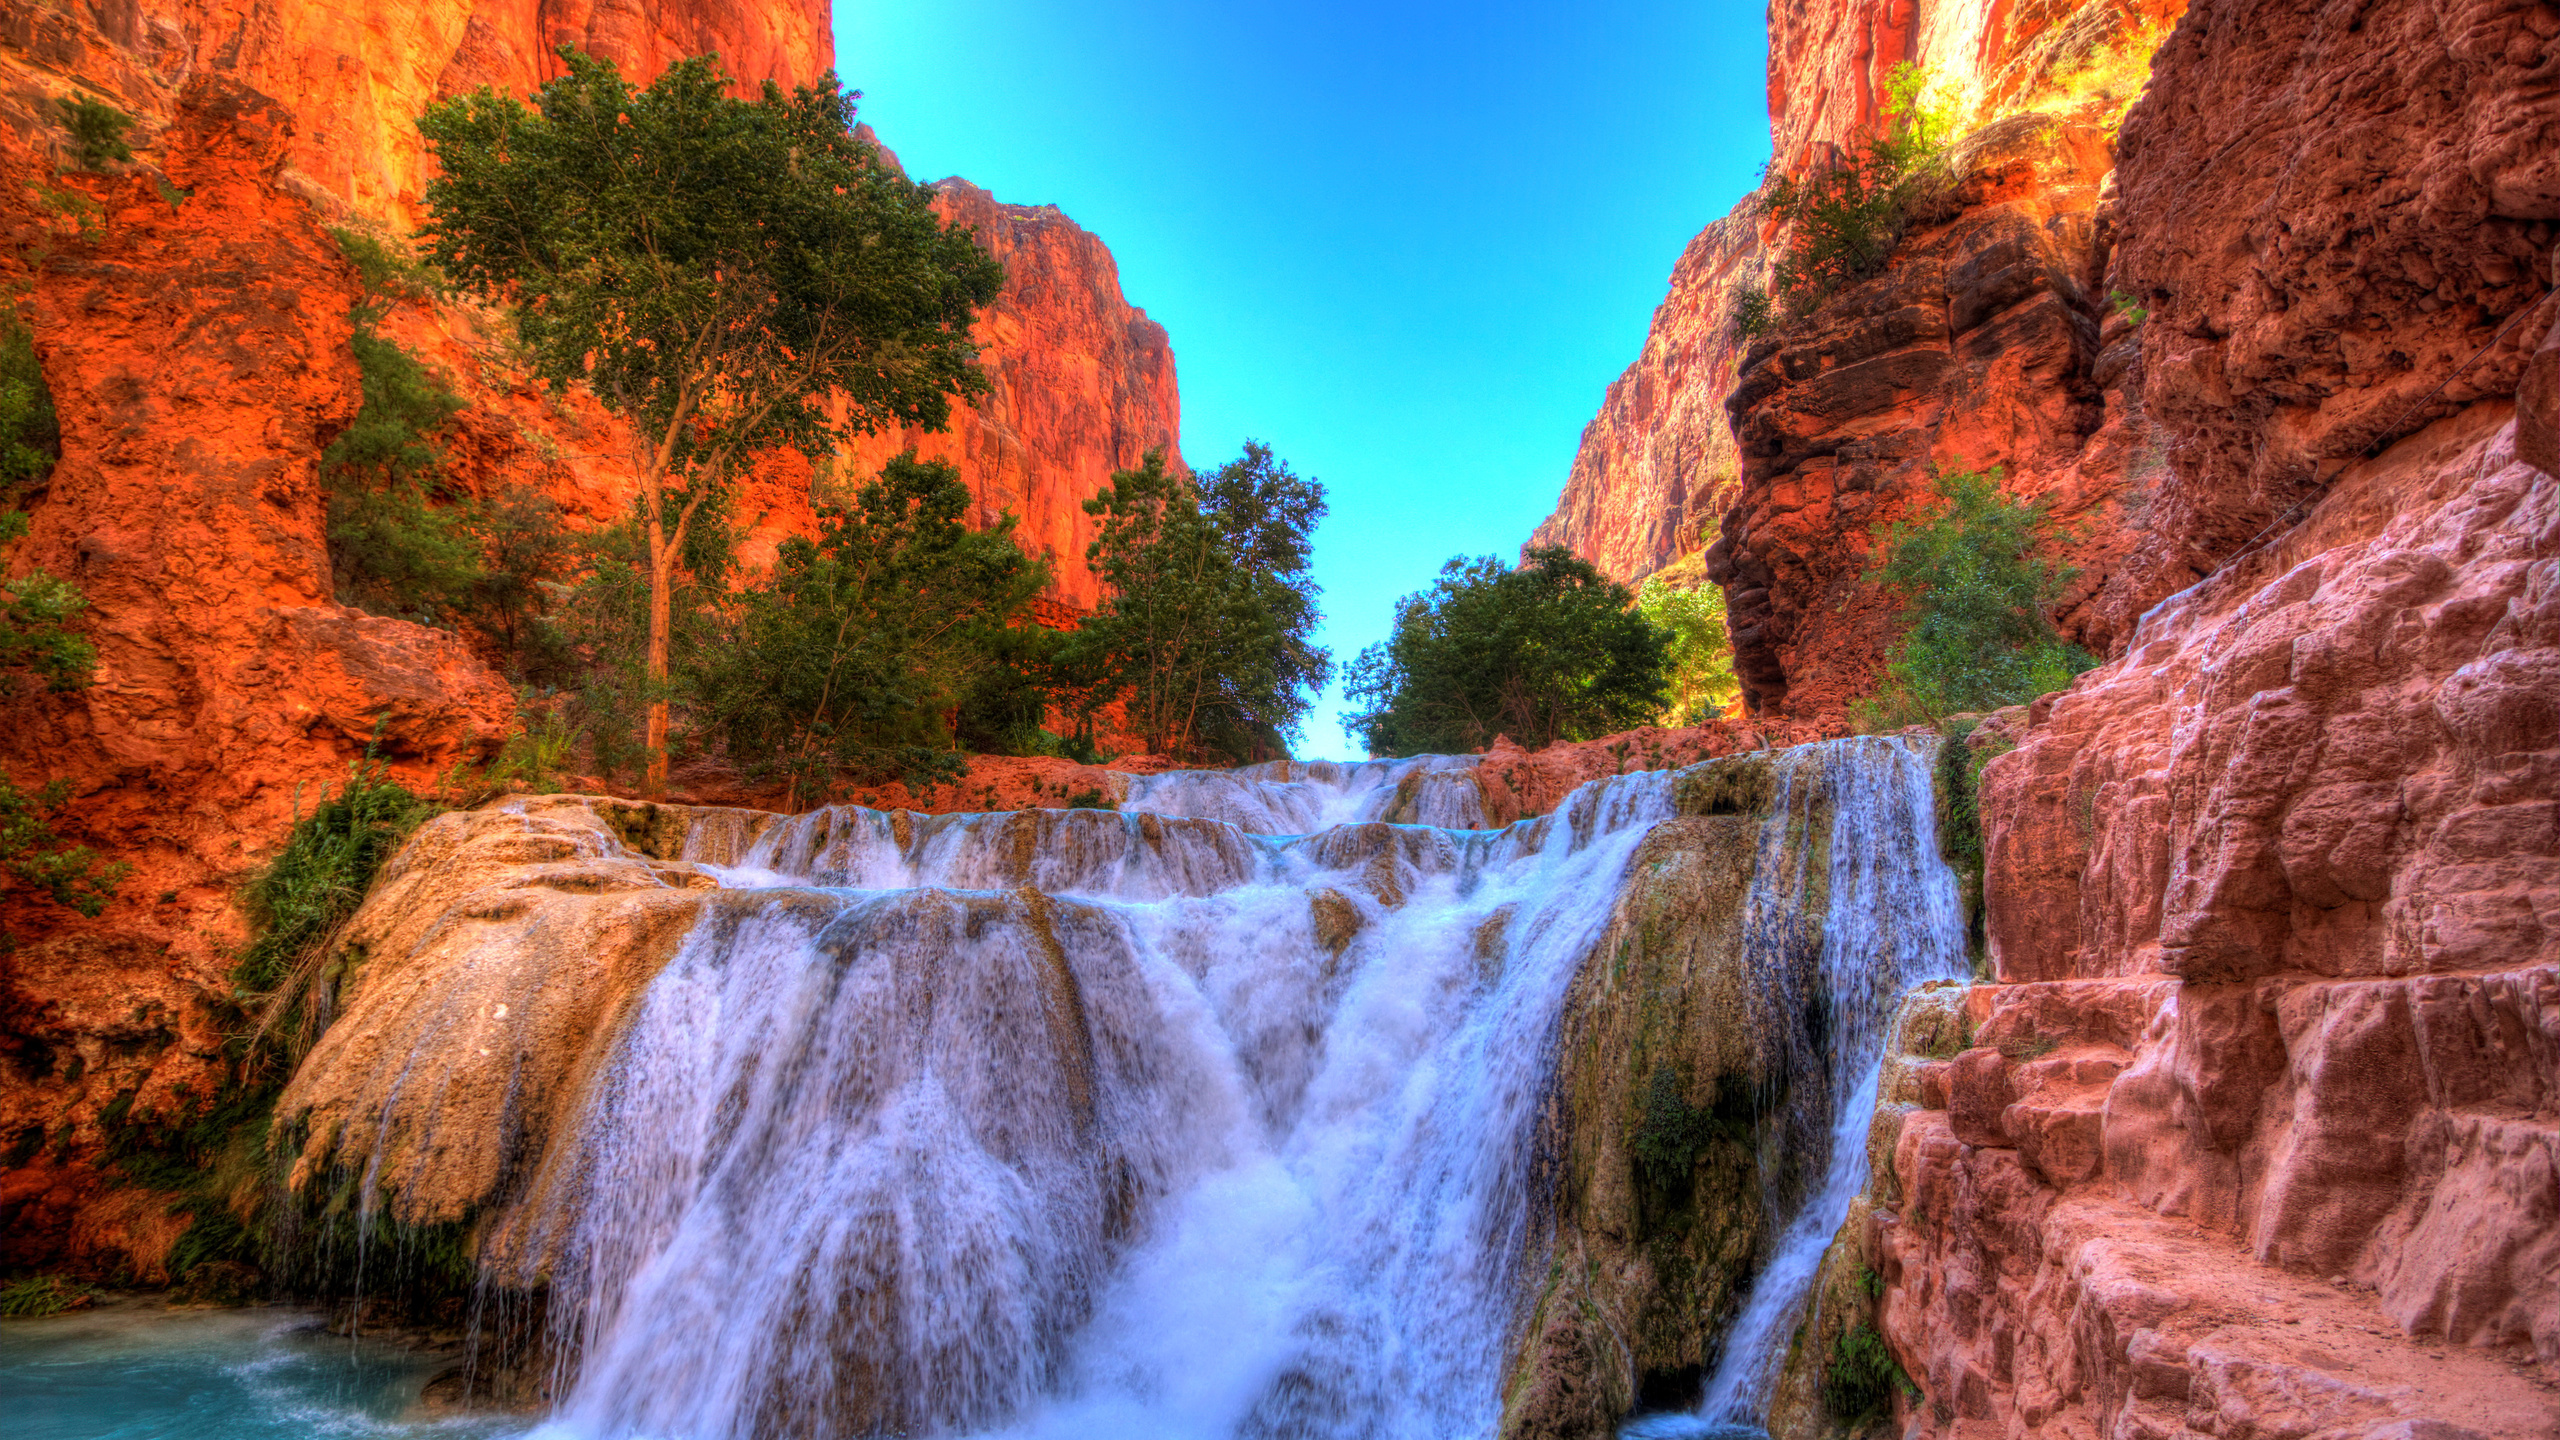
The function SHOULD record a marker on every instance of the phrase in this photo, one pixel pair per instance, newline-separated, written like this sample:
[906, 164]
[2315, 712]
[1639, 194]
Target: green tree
[1207, 630]
[1552, 650]
[729, 275]
[97, 132]
[1701, 682]
[1974, 587]
[398, 544]
[1845, 217]
[867, 639]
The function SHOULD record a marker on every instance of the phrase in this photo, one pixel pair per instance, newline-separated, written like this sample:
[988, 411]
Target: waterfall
[1212, 1117]
[1890, 921]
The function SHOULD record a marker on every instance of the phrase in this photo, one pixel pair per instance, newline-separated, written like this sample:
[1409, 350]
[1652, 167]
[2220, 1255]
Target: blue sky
[1406, 244]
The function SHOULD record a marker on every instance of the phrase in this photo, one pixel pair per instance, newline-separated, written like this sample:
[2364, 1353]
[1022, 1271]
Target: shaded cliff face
[1083, 386]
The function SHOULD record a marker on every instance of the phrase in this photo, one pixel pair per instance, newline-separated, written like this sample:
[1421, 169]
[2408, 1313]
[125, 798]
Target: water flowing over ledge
[1235, 1113]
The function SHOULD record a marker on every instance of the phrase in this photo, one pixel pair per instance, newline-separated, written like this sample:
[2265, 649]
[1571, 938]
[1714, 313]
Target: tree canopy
[1208, 627]
[729, 275]
[866, 640]
[1549, 651]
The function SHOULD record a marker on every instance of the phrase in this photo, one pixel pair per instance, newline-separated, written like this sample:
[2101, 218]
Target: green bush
[394, 549]
[867, 638]
[35, 1296]
[1974, 588]
[386, 271]
[299, 901]
[30, 436]
[1701, 680]
[97, 132]
[1550, 651]
[1754, 313]
[1844, 218]
[1860, 1381]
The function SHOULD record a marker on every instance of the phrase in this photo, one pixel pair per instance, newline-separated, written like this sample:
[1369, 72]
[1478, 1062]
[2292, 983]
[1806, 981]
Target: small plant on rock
[97, 132]
[1845, 217]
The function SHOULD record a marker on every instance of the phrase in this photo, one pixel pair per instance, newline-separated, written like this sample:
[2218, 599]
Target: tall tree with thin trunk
[729, 275]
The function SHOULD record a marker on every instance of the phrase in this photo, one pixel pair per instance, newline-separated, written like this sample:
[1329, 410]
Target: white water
[1893, 922]
[896, 1145]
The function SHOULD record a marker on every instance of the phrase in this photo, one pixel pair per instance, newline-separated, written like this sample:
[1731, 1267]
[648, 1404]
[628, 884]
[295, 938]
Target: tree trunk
[662, 555]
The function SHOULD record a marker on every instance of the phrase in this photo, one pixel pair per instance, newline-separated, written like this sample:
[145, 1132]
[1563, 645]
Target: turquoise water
[136, 1370]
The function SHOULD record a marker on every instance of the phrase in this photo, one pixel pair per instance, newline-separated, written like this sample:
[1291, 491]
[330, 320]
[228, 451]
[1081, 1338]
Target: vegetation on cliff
[730, 275]
[1974, 580]
[1549, 651]
[1845, 217]
[1687, 607]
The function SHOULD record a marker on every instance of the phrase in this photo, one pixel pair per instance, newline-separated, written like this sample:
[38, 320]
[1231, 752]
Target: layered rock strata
[1657, 467]
[1985, 344]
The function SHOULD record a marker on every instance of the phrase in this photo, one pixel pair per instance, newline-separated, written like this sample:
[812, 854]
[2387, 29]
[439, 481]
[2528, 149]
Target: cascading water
[1891, 920]
[1231, 1114]
[1075, 1123]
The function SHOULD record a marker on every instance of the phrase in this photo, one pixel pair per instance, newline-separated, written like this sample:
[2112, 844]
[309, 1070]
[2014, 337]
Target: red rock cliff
[197, 351]
[1637, 497]
[2260, 1133]
[1083, 385]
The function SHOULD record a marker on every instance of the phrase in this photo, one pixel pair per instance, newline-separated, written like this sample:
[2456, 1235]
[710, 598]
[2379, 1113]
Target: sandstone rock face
[198, 360]
[1084, 385]
[2331, 217]
[1657, 465]
[1658, 462]
[357, 75]
[1985, 343]
[2263, 1126]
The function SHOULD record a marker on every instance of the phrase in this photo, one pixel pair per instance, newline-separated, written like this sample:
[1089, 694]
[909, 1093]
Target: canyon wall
[1658, 467]
[2257, 1132]
[191, 314]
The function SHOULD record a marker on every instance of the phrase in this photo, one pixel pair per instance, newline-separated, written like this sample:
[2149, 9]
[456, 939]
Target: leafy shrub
[1860, 1381]
[1701, 680]
[298, 903]
[34, 1296]
[1550, 651]
[97, 132]
[1844, 218]
[1754, 313]
[31, 855]
[1974, 588]
[30, 436]
[394, 549]
[2127, 308]
[867, 638]
[386, 271]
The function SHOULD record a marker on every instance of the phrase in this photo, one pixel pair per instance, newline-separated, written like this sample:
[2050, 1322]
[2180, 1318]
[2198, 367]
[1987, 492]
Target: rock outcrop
[1657, 467]
[1984, 344]
[2258, 1133]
